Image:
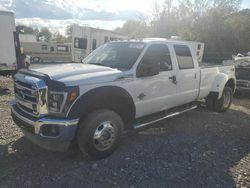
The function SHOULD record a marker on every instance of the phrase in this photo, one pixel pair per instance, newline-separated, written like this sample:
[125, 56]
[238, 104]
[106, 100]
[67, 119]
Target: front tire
[224, 103]
[100, 133]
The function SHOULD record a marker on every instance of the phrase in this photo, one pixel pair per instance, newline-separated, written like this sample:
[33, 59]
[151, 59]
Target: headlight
[56, 101]
[60, 101]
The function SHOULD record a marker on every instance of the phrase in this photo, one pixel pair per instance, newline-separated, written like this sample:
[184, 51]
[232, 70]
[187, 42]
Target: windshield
[120, 55]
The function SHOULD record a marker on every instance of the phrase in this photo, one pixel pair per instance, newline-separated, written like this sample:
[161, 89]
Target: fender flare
[101, 97]
[219, 83]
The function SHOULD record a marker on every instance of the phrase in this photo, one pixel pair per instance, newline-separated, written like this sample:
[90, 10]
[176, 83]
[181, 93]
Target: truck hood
[79, 73]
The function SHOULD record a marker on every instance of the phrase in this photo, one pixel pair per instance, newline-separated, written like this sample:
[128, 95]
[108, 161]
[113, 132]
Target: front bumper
[32, 128]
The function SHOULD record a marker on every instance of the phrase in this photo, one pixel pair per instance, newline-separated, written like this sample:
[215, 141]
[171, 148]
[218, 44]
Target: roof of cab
[157, 40]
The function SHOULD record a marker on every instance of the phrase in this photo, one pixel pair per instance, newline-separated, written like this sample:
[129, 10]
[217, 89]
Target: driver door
[154, 88]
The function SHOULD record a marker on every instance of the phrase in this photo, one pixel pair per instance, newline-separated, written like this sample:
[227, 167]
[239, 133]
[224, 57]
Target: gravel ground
[196, 149]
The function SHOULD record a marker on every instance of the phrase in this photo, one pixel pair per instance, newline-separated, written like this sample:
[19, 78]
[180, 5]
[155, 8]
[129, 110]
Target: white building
[8, 61]
[27, 37]
[86, 39]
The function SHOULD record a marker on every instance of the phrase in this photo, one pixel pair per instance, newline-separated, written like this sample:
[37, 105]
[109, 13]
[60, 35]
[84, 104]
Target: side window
[184, 57]
[158, 54]
[44, 47]
[106, 39]
[81, 43]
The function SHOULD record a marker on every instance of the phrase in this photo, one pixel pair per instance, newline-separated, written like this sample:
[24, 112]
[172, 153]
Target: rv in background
[27, 37]
[86, 39]
[47, 52]
[199, 48]
[10, 54]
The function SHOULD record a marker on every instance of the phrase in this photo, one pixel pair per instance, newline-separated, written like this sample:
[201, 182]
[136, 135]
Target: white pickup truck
[119, 87]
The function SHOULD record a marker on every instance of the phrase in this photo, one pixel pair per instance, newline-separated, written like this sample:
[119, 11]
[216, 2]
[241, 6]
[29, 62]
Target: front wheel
[36, 59]
[100, 133]
[224, 103]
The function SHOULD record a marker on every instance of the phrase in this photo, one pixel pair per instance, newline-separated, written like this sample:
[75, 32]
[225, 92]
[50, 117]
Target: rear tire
[100, 133]
[224, 103]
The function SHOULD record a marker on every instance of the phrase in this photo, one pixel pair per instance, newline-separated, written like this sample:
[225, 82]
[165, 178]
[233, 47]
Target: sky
[57, 14]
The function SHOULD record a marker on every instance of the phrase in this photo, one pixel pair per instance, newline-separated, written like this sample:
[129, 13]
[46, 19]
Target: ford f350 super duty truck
[119, 87]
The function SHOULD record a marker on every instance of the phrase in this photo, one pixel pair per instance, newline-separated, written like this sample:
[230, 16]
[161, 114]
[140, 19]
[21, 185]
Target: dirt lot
[196, 149]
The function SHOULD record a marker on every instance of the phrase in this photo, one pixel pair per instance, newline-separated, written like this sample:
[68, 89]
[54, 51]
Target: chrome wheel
[104, 136]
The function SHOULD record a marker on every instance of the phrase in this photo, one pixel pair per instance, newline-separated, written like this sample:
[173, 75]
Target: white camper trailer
[198, 47]
[8, 62]
[86, 39]
[47, 52]
[27, 37]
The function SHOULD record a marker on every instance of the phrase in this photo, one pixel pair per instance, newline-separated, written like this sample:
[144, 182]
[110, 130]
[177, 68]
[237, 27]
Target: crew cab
[119, 87]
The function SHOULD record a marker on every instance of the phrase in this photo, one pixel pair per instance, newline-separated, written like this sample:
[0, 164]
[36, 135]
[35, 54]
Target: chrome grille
[31, 95]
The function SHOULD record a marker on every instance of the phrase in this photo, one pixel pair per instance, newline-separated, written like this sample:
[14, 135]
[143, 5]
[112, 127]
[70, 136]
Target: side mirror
[146, 69]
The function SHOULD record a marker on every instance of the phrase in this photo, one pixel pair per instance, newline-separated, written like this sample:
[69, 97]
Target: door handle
[173, 78]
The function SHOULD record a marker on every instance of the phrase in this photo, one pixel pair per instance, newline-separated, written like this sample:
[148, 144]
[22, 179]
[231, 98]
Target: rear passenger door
[187, 75]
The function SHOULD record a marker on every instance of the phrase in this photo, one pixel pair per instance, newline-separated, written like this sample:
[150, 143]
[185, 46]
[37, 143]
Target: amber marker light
[73, 95]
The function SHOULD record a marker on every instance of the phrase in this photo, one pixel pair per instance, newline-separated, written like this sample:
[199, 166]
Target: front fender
[219, 84]
[100, 97]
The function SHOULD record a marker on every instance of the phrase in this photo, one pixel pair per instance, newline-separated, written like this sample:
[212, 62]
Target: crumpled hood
[72, 73]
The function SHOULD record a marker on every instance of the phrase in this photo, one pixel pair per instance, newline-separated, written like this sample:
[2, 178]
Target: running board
[137, 126]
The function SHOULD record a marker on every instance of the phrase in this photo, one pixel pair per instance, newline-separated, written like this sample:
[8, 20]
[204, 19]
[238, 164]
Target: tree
[44, 35]
[218, 23]
[25, 29]
[68, 32]
[58, 38]
[226, 6]
[134, 29]
[239, 26]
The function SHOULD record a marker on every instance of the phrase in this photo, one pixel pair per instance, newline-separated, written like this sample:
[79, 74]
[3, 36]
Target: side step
[157, 118]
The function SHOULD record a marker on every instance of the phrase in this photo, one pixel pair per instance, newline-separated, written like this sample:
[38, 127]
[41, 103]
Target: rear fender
[219, 84]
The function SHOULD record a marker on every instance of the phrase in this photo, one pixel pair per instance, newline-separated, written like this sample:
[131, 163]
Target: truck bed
[208, 74]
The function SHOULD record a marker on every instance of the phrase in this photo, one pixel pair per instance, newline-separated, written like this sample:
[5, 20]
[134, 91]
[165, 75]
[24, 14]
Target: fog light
[50, 130]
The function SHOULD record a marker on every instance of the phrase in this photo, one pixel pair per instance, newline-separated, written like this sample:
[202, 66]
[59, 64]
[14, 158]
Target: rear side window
[81, 43]
[159, 55]
[184, 57]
